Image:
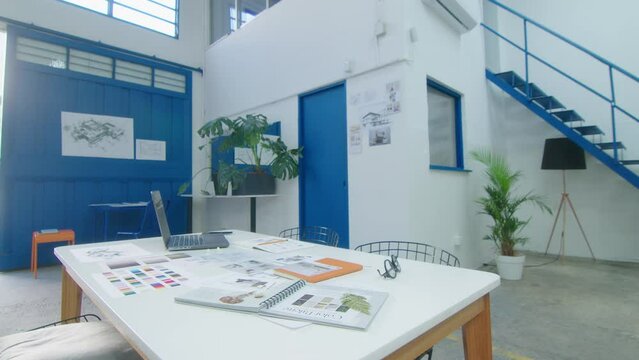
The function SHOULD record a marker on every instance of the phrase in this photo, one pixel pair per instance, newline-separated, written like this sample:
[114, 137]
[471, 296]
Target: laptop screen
[158, 205]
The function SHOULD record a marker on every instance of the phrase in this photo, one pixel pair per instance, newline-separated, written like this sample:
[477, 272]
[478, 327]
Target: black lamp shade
[563, 154]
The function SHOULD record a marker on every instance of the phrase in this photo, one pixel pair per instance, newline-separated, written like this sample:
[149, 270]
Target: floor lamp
[562, 154]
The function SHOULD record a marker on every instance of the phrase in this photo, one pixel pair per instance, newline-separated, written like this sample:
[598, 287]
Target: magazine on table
[297, 300]
[277, 245]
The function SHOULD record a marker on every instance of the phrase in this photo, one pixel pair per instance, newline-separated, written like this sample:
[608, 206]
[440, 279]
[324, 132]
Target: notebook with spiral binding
[299, 300]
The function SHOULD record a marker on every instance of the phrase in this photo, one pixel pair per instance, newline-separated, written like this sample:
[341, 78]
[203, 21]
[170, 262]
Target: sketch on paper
[150, 150]
[355, 139]
[392, 98]
[90, 135]
[380, 135]
[106, 252]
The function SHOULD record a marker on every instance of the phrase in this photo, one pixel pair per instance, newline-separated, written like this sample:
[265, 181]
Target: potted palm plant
[265, 158]
[501, 204]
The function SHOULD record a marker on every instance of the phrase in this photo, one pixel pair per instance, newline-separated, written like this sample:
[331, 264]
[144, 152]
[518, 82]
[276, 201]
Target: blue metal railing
[528, 54]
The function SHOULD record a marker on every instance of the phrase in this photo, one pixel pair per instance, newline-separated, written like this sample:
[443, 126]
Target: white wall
[300, 45]
[445, 208]
[605, 203]
[287, 50]
[188, 49]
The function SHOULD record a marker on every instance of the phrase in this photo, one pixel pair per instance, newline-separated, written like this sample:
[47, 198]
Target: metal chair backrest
[77, 319]
[446, 258]
[315, 234]
[143, 220]
[410, 250]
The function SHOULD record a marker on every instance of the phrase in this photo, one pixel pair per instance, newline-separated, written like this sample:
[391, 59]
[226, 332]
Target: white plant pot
[510, 267]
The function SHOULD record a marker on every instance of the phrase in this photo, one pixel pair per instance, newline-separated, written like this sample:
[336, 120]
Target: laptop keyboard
[184, 241]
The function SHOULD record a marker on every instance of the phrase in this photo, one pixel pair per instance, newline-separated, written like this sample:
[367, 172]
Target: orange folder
[344, 267]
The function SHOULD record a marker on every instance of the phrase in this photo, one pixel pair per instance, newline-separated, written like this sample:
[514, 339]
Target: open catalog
[321, 304]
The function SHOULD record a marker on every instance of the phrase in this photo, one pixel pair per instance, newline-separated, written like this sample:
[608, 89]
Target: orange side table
[42, 238]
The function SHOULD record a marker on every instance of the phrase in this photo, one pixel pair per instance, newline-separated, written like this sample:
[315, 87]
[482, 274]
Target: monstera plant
[247, 132]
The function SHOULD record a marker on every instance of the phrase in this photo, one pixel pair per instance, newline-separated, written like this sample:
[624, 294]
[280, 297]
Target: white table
[426, 303]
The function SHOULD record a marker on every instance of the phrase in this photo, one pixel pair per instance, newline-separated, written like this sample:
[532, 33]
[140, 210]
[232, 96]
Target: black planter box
[256, 184]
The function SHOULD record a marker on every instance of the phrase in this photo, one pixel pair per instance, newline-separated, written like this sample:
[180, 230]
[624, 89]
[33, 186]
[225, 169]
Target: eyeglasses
[391, 268]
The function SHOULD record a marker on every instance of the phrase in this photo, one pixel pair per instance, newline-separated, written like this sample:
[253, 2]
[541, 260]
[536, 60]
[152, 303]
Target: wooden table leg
[476, 331]
[477, 334]
[71, 297]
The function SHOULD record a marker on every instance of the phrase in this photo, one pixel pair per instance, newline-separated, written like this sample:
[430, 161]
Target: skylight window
[156, 15]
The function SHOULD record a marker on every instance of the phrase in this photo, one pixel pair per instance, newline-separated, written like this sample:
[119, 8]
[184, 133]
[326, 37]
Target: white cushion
[88, 340]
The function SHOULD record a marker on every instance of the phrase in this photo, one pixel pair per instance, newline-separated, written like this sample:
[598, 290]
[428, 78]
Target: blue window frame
[445, 139]
[157, 15]
[61, 55]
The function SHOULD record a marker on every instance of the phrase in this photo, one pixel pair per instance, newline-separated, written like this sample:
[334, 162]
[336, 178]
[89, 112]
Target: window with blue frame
[67, 58]
[445, 140]
[156, 15]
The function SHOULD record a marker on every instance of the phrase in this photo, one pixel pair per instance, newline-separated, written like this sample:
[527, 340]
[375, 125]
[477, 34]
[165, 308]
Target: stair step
[630, 162]
[567, 115]
[511, 78]
[611, 145]
[589, 130]
[548, 102]
[535, 91]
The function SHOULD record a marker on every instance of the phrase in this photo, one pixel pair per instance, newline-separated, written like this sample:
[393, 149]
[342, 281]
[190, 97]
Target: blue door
[324, 167]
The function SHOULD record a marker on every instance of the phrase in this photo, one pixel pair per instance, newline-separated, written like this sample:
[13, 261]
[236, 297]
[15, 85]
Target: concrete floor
[571, 310]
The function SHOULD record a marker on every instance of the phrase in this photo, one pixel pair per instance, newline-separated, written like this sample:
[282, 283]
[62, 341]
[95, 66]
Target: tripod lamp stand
[562, 154]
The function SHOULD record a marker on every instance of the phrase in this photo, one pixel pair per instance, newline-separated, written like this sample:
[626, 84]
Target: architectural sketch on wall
[379, 112]
[379, 135]
[374, 118]
[355, 139]
[150, 150]
[392, 98]
[90, 135]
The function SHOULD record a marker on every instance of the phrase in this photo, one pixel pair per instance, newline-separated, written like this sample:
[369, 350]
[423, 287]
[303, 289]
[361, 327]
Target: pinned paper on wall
[370, 96]
[102, 136]
[379, 135]
[355, 139]
[150, 150]
[392, 98]
[355, 99]
[374, 115]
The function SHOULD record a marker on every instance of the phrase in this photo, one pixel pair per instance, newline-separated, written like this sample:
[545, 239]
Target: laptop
[210, 240]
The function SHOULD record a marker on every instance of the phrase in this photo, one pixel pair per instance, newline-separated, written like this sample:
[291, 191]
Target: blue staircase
[568, 121]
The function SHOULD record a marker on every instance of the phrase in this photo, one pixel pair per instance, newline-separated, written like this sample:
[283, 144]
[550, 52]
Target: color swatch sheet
[137, 279]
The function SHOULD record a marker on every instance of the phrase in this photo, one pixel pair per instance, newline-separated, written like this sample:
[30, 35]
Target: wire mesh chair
[412, 251]
[446, 258]
[81, 337]
[401, 249]
[315, 234]
[77, 319]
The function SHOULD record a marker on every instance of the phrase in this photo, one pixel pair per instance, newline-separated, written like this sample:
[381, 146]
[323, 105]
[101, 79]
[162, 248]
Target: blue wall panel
[40, 189]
